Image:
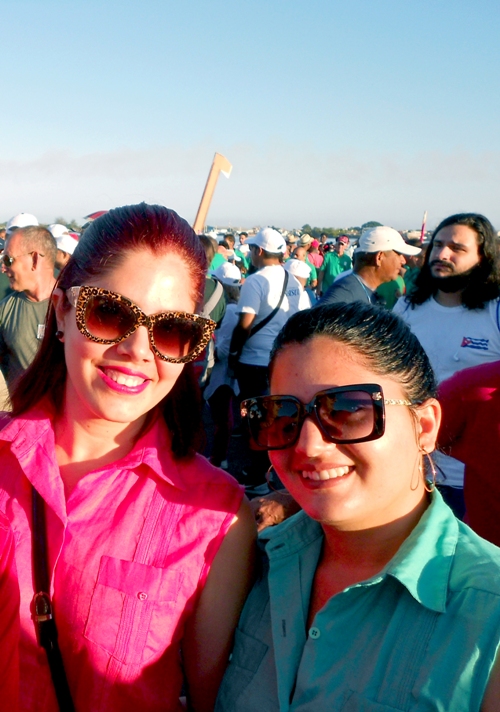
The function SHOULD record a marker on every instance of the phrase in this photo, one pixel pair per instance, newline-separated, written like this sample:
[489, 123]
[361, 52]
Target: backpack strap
[268, 318]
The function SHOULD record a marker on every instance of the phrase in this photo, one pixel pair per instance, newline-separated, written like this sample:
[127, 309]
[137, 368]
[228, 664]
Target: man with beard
[454, 310]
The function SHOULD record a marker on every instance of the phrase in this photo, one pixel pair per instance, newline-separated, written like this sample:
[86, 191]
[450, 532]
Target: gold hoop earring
[429, 486]
[268, 480]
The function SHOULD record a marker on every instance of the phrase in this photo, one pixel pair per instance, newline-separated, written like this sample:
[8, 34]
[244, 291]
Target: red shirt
[470, 431]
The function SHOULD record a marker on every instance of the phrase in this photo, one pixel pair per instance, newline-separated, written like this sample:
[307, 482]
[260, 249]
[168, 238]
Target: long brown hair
[101, 249]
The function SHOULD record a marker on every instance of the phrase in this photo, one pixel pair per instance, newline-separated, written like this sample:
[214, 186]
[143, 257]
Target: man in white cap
[20, 220]
[28, 261]
[66, 244]
[268, 299]
[378, 259]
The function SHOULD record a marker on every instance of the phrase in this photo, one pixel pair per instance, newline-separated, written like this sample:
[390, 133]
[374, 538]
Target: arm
[209, 632]
[240, 335]
[491, 699]
[321, 273]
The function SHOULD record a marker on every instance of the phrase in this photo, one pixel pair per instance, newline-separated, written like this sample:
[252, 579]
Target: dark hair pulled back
[380, 337]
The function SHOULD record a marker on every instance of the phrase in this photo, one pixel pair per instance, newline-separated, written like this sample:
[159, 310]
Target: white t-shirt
[260, 294]
[454, 338]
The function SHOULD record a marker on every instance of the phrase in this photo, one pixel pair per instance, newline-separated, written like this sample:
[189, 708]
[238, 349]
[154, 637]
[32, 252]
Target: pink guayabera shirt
[130, 552]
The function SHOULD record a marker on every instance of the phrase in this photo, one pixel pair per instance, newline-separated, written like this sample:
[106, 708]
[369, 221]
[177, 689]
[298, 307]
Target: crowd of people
[360, 383]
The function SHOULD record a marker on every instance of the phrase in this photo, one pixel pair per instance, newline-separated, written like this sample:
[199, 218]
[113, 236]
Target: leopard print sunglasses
[109, 318]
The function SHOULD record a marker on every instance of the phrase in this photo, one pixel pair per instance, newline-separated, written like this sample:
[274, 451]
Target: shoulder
[207, 481]
[9, 301]
[402, 306]
[476, 565]
[485, 376]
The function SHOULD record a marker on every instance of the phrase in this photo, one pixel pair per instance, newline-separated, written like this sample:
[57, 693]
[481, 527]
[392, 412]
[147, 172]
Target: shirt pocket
[235, 692]
[357, 703]
[133, 611]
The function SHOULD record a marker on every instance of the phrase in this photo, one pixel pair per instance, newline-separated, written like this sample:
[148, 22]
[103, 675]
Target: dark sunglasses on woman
[344, 415]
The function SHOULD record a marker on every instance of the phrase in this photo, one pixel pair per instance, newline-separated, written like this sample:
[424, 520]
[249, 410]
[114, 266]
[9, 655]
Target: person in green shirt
[245, 260]
[389, 292]
[334, 264]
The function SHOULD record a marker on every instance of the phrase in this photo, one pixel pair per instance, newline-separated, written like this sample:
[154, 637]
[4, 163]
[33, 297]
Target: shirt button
[314, 633]
[142, 596]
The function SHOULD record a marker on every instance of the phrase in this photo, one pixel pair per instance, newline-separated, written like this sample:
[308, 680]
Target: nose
[441, 252]
[137, 346]
[311, 442]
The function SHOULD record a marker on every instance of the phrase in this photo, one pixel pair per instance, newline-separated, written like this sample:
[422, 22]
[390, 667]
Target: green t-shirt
[332, 266]
[217, 261]
[22, 325]
[245, 259]
[314, 272]
[391, 291]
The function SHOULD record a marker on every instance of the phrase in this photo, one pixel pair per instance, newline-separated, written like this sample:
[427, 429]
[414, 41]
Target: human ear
[60, 305]
[428, 420]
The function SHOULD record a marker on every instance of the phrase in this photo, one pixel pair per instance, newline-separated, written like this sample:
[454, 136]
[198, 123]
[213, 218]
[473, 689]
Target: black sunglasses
[348, 414]
[9, 261]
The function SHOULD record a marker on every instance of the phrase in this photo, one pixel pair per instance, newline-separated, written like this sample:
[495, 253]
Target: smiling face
[350, 487]
[122, 382]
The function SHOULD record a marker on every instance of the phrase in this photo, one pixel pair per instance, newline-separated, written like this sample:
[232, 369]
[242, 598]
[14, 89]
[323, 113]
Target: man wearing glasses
[28, 261]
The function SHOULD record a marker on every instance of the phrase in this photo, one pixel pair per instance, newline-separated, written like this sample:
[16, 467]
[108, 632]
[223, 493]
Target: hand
[273, 509]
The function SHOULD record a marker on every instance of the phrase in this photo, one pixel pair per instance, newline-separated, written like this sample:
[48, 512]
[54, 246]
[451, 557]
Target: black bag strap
[42, 606]
[268, 318]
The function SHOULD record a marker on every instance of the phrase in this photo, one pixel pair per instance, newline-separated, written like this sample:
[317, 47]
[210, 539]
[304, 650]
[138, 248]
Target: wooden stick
[219, 165]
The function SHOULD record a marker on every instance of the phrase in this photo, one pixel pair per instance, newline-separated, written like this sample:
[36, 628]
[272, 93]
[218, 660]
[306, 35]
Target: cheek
[168, 373]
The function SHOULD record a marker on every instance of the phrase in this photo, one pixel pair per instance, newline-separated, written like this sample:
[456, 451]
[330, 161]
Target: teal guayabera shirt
[421, 635]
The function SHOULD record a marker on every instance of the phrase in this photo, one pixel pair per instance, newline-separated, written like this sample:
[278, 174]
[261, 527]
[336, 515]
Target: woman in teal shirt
[375, 597]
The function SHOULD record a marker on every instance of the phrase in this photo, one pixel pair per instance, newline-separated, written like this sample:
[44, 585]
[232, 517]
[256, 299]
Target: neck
[42, 289]
[369, 277]
[448, 299]
[268, 262]
[85, 443]
[369, 550]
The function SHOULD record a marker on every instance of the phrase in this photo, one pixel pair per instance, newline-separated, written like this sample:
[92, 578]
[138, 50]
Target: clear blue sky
[332, 113]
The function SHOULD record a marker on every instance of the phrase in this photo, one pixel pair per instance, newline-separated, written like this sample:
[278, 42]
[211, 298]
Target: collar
[32, 442]
[422, 564]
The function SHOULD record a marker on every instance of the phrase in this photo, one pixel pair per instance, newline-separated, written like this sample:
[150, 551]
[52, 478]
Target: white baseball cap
[21, 220]
[298, 268]
[268, 239]
[228, 274]
[66, 243]
[383, 239]
[58, 230]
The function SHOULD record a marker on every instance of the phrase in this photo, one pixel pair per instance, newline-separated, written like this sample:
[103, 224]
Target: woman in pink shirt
[148, 545]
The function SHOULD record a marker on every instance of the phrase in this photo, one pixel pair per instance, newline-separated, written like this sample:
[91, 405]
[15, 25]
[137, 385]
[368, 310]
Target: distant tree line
[334, 231]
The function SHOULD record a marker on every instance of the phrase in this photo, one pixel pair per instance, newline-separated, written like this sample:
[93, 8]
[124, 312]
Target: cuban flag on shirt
[468, 342]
